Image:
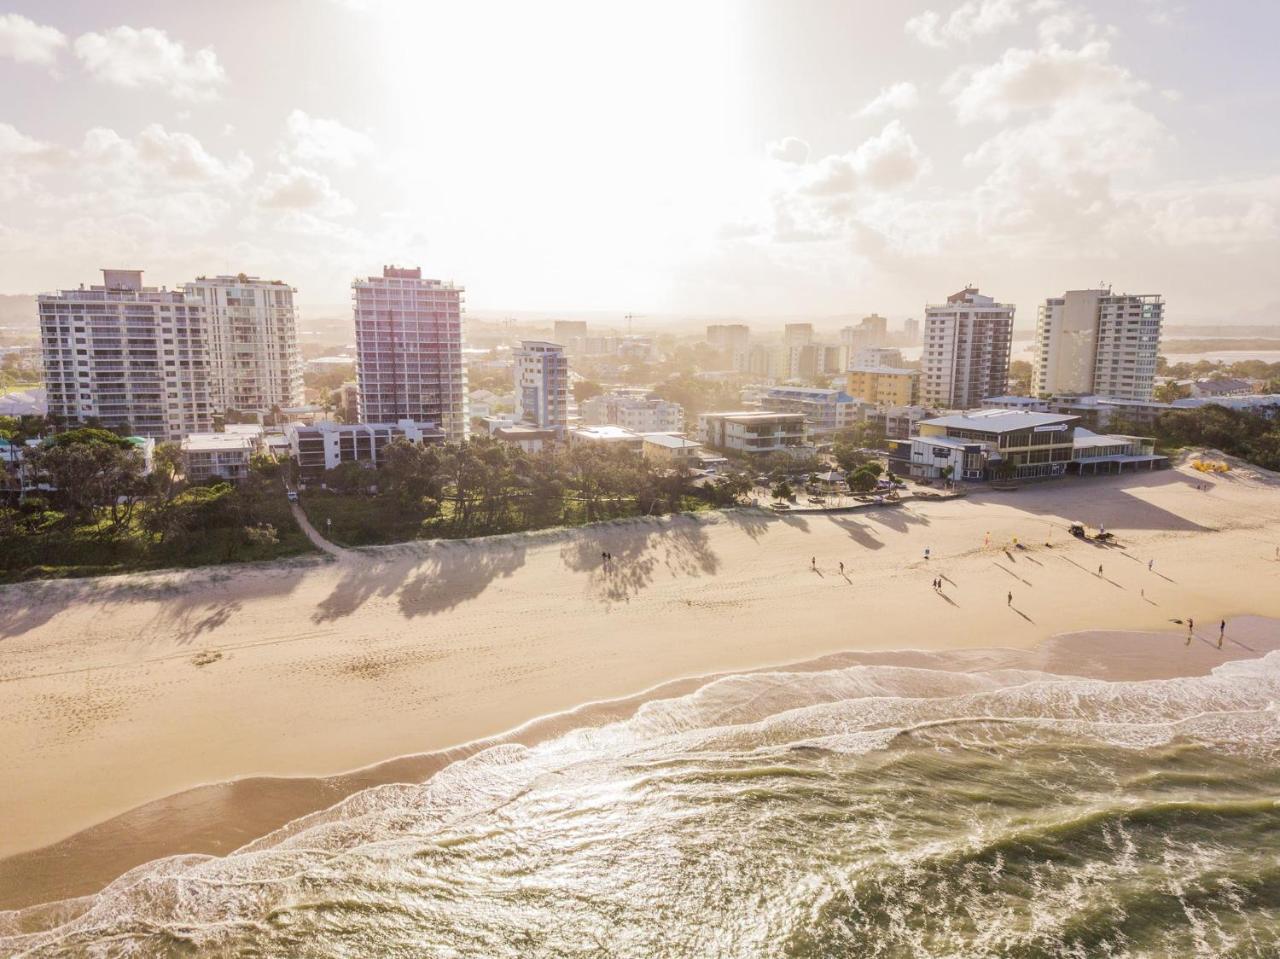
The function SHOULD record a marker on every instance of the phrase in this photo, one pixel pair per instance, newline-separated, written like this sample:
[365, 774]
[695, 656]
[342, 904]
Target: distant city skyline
[734, 160]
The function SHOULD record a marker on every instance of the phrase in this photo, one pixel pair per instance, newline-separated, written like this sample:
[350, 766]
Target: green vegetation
[484, 487]
[1269, 373]
[103, 515]
[1250, 436]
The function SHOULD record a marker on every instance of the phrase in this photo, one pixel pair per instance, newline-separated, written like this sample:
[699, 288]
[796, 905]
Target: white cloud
[309, 139]
[788, 150]
[25, 41]
[159, 157]
[21, 158]
[971, 19]
[134, 58]
[896, 98]
[1030, 79]
[299, 188]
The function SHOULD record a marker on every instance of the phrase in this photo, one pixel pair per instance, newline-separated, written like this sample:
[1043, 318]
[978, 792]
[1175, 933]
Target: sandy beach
[117, 693]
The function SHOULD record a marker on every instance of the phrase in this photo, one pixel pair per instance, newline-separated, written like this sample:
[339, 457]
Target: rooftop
[213, 442]
[1000, 420]
[606, 434]
[670, 441]
[894, 370]
[755, 415]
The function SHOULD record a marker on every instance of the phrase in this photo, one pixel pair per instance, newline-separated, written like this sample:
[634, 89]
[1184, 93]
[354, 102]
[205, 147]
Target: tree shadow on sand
[860, 533]
[639, 549]
[424, 578]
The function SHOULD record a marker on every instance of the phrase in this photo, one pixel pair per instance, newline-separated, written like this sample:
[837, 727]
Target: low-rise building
[1264, 404]
[977, 444]
[884, 385]
[672, 450]
[606, 436]
[1101, 453]
[325, 446]
[898, 422]
[207, 457]
[826, 412]
[755, 432]
[637, 410]
[531, 439]
[1222, 386]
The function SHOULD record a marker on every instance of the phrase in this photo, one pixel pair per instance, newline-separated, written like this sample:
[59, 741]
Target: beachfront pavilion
[975, 442]
[1100, 453]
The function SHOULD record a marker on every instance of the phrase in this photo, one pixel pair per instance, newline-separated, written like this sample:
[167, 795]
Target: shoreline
[281, 689]
[247, 809]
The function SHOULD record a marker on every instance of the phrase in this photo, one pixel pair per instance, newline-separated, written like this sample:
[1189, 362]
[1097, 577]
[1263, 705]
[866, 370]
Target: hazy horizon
[726, 160]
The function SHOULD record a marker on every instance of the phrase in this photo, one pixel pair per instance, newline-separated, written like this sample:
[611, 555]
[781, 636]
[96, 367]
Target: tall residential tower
[1094, 342]
[966, 350]
[128, 356]
[253, 341]
[542, 385]
[409, 350]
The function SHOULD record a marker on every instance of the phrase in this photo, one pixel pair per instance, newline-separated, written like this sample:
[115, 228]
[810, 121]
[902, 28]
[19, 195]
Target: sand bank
[117, 693]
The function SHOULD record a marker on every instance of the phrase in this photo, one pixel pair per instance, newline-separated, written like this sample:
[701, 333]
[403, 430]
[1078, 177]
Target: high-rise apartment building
[733, 340]
[571, 334]
[253, 341]
[1094, 342]
[966, 350]
[409, 350]
[910, 332]
[542, 385]
[128, 356]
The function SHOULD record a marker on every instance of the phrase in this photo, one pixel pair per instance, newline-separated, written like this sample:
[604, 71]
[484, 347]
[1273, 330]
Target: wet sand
[113, 726]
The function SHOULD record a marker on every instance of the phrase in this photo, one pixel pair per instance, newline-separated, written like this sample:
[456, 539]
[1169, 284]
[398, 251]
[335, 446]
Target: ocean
[862, 811]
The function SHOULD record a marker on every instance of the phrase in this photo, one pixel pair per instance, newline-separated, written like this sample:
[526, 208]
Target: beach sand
[193, 711]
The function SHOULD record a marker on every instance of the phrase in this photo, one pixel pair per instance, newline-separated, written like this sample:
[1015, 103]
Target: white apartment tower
[253, 341]
[1094, 342]
[409, 350]
[966, 350]
[542, 385]
[128, 356]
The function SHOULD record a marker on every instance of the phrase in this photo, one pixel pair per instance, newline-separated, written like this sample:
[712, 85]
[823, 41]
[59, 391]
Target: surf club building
[976, 445]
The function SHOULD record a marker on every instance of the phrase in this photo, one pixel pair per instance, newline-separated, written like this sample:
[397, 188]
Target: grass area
[90, 550]
[362, 520]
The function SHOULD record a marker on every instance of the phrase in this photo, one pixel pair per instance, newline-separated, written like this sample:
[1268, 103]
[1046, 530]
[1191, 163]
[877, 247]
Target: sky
[735, 159]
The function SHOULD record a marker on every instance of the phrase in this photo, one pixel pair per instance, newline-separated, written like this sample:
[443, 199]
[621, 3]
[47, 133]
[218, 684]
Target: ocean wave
[869, 810]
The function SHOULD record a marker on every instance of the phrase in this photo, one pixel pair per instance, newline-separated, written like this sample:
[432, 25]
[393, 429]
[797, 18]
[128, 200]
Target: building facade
[409, 351]
[754, 432]
[207, 457]
[967, 342]
[130, 357]
[634, 409]
[826, 412]
[884, 385]
[253, 341]
[1096, 343]
[982, 444]
[733, 340]
[325, 446]
[542, 385]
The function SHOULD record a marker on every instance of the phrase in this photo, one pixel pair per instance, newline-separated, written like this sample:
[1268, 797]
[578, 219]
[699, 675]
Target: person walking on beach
[1222, 632]
[841, 567]
[987, 539]
[1099, 569]
[1151, 564]
[1010, 599]
[926, 552]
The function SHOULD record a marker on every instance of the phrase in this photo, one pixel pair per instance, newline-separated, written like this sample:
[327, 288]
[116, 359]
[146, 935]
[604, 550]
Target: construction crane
[632, 316]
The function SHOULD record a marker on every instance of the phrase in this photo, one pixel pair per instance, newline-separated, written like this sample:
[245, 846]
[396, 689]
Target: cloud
[25, 41]
[301, 189]
[974, 18]
[788, 150]
[309, 139]
[159, 157]
[133, 58]
[1024, 80]
[21, 158]
[901, 96]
